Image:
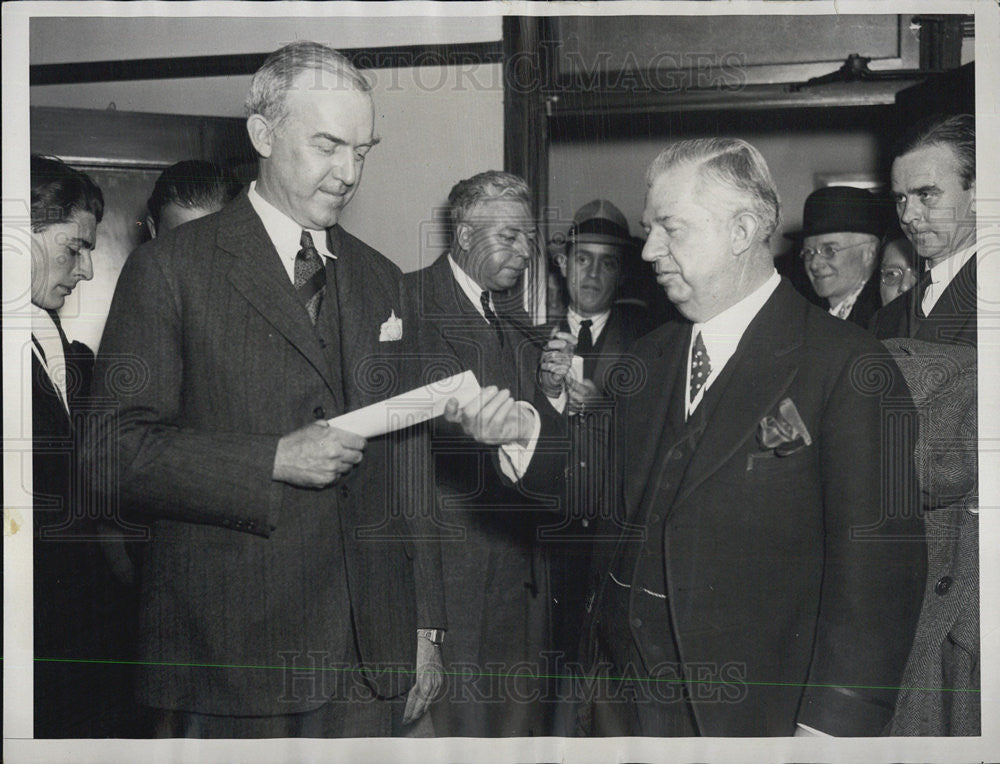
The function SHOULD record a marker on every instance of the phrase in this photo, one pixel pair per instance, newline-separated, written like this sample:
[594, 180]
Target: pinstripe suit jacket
[209, 358]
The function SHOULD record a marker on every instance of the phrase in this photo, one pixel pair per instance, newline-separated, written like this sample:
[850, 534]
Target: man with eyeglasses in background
[841, 229]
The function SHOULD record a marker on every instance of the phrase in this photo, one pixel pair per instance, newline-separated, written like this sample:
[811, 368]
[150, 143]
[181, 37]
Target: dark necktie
[585, 340]
[919, 290]
[310, 276]
[700, 366]
[484, 300]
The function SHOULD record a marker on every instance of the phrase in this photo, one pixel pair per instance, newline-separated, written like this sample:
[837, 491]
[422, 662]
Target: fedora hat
[599, 222]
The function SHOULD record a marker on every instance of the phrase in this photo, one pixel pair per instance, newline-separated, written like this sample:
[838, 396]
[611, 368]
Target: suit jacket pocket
[769, 464]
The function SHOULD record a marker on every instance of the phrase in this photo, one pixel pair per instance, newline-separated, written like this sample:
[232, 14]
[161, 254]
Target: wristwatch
[434, 636]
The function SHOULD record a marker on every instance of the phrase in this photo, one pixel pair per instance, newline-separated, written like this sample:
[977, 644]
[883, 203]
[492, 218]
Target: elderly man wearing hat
[841, 228]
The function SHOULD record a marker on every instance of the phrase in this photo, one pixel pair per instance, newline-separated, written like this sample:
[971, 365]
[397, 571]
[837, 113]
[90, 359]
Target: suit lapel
[463, 330]
[754, 382]
[350, 304]
[665, 373]
[609, 347]
[257, 273]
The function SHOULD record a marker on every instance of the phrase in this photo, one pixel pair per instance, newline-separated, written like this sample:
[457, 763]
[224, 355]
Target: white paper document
[409, 408]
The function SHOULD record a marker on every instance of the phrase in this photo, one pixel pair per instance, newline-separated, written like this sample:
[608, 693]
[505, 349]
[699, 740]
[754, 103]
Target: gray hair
[492, 184]
[274, 79]
[732, 163]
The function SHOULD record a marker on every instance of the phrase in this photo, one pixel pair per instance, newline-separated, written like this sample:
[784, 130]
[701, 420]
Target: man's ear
[743, 231]
[463, 235]
[151, 227]
[870, 253]
[972, 207]
[259, 130]
[561, 262]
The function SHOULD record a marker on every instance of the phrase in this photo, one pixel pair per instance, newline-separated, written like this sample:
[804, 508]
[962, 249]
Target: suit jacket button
[319, 413]
[943, 585]
[345, 491]
[637, 622]
[676, 454]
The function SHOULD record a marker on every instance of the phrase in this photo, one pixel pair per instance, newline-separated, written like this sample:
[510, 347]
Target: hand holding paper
[316, 455]
[556, 363]
[494, 418]
[410, 408]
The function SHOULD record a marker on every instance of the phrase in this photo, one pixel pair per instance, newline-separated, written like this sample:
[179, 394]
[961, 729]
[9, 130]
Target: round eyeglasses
[826, 252]
[893, 275]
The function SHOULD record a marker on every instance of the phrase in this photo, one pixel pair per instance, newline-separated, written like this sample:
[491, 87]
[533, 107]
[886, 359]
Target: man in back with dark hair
[187, 191]
[934, 185]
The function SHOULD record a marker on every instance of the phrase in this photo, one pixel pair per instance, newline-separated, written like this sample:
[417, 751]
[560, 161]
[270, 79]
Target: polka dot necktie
[700, 366]
[310, 275]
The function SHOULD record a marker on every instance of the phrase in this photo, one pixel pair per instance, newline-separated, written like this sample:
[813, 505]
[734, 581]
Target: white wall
[437, 124]
[615, 169]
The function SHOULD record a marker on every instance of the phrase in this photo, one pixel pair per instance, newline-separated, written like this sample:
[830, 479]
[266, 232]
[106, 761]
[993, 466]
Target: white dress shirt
[514, 458]
[942, 274]
[285, 233]
[598, 322]
[597, 325]
[722, 333]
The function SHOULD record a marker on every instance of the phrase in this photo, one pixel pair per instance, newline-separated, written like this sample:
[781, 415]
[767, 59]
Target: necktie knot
[701, 367]
[310, 275]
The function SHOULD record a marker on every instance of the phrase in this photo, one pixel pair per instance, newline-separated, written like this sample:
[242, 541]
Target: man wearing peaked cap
[841, 228]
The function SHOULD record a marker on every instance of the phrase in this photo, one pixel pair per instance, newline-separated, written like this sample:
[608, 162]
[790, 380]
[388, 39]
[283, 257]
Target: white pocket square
[392, 329]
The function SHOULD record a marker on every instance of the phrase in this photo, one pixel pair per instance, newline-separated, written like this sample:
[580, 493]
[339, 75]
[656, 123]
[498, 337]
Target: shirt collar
[843, 308]
[468, 285]
[597, 322]
[282, 230]
[41, 321]
[722, 333]
[945, 271]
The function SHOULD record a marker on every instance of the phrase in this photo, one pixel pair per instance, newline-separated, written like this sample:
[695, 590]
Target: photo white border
[17, 708]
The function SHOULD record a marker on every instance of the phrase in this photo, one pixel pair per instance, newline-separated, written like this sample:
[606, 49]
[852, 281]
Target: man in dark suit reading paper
[776, 582]
[287, 589]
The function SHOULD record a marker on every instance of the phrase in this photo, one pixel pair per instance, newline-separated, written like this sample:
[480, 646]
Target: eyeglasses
[893, 275]
[827, 251]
